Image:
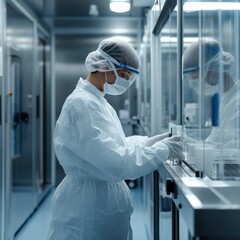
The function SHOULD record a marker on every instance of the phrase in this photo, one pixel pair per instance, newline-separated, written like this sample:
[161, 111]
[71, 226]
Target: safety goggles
[128, 68]
[210, 75]
[131, 72]
[214, 65]
[191, 73]
[191, 70]
[128, 76]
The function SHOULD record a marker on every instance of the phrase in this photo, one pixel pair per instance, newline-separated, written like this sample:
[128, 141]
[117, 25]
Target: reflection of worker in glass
[217, 74]
[93, 201]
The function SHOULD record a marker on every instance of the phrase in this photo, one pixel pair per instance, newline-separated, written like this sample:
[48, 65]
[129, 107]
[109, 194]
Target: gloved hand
[156, 138]
[175, 147]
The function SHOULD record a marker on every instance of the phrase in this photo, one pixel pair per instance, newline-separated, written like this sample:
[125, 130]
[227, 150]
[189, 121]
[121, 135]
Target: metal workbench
[210, 208]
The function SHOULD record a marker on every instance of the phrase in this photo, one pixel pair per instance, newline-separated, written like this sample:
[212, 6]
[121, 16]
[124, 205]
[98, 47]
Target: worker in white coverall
[217, 77]
[93, 201]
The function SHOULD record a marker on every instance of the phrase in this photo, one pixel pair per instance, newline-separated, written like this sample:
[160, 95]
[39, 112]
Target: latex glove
[156, 138]
[175, 147]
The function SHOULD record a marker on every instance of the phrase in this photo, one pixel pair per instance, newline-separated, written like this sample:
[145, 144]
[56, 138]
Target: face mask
[209, 90]
[117, 88]
[194, 84]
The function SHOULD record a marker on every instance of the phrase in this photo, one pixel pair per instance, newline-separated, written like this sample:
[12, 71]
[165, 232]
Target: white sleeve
[136, 140]
[89, 140]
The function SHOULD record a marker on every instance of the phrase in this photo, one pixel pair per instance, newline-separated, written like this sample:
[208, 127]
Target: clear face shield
[130, 72]
[123, 82]
[211, 76]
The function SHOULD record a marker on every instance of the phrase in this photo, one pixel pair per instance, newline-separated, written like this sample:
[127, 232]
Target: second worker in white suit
[215, 75]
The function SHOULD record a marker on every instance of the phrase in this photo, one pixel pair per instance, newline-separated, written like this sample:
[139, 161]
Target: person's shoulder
[82, 100]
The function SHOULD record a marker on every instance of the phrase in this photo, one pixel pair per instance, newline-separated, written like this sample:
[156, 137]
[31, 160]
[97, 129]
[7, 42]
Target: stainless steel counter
[211, 209]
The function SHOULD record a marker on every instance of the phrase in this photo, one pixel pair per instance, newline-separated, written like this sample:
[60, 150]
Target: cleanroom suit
[226, 135]
[93, 201]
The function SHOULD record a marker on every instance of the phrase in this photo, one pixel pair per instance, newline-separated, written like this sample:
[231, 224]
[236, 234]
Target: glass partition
[167, 99]
[211, 87]
[144, 86]
[168, 73]
[144, 111]
[1, 128]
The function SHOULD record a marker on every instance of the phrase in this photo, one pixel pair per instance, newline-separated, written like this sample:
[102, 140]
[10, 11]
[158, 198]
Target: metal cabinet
[201, 208]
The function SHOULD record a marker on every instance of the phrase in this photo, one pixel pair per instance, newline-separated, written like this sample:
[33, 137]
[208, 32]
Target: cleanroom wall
[24, 79]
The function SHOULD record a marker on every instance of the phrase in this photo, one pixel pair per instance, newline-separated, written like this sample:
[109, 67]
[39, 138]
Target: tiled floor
[37, 226]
